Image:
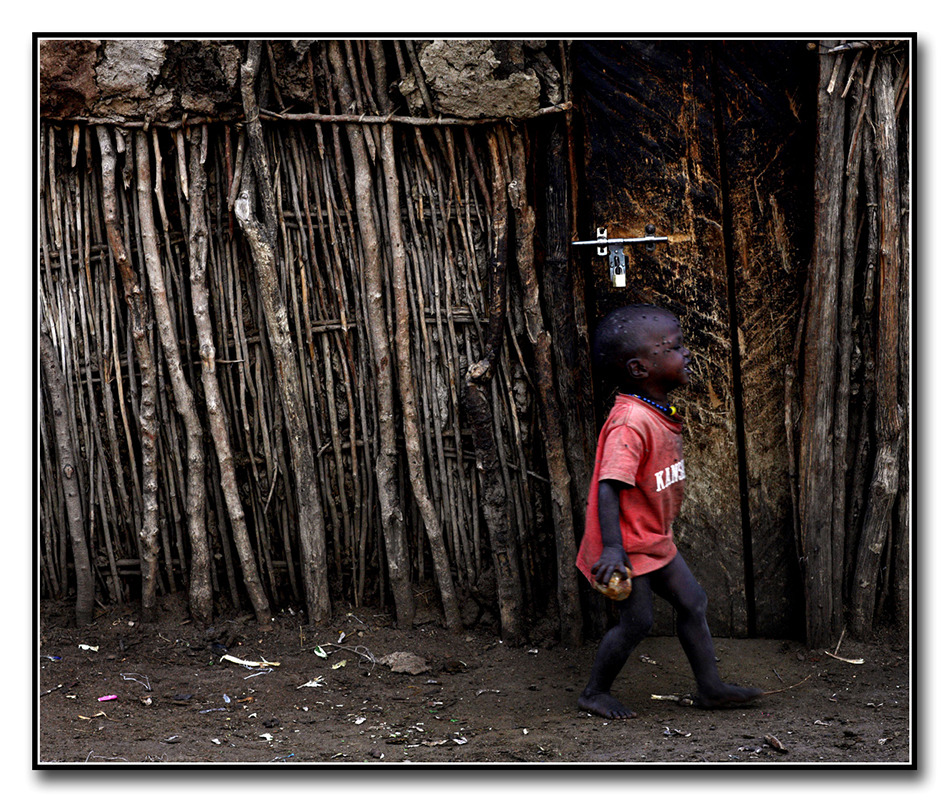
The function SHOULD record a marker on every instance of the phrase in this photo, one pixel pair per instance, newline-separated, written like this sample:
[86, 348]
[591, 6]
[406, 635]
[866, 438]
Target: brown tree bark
[261, 237]
[822, 547]
[889, 412]
[564, 294]
[901, 553]
[55, 387]
[843, 473]
[199, 586]
[198, 258]
[139, 325]
[477, 407]
[394, 526]
[559, 476]
[862, 457]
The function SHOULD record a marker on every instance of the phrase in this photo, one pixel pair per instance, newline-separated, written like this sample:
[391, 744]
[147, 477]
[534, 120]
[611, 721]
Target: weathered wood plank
[767, 131]
[822, 547]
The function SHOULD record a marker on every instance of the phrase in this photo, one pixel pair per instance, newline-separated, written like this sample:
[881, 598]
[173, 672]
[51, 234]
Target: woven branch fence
[257, 343]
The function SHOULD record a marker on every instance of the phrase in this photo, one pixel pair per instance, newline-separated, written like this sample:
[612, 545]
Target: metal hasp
[617, 264]
[613, 250]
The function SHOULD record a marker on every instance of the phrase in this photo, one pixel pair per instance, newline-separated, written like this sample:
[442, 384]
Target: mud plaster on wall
[127, 75]
[462, 77]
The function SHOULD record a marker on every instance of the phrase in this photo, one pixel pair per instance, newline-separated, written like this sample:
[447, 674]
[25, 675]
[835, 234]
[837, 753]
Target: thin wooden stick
[200, 583]
[787, 688]
[198, 256]
[159, 191]
[261, 237]
[139, 314]
[66, 461]
[864, 102]
[349, 119]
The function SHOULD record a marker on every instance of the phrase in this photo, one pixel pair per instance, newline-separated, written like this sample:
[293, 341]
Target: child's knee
[636, 628]
[695, 604]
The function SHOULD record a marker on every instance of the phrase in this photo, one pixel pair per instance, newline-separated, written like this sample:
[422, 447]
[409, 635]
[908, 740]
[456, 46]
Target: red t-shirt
[643, 448]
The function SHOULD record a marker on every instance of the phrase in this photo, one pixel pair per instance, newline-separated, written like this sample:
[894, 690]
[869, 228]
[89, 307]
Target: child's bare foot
[726, 697]
[604, 705]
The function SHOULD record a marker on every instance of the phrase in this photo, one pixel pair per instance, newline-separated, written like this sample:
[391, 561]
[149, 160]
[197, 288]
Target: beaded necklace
[670, 411]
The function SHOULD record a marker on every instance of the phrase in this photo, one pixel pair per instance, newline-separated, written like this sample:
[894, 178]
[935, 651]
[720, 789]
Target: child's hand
[612, 559]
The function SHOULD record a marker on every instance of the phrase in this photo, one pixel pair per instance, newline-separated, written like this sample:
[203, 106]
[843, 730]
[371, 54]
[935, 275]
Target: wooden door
[711, 143]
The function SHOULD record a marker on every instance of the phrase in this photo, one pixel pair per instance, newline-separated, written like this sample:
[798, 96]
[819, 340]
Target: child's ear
[636, 369]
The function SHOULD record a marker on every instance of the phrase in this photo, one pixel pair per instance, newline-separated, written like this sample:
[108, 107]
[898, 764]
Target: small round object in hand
[617, 588]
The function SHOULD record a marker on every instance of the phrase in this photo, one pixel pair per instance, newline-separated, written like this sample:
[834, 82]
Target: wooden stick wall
[166, 320]
[850, 448]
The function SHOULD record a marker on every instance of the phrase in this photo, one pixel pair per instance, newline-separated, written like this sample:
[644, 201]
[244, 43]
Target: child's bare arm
[613, 557]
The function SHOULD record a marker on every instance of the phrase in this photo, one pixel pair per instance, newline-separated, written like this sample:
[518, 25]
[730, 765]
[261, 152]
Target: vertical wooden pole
[492, 495]
[55, 386]
[261, 237]
[889, 412]
[197, 258]
[822, 547]
[552, 433]
[199, 587]
[148, 429]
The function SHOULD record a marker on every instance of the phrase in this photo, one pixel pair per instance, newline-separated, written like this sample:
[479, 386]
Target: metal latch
[613, 250]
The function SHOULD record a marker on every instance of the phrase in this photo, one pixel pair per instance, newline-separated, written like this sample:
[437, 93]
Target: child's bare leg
[636, 619]
[675, 582]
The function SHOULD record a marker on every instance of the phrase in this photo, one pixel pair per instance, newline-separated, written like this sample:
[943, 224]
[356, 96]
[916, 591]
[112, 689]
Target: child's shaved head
[622, 335]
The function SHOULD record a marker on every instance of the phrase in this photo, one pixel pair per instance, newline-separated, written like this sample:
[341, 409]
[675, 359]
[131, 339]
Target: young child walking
[635, 495]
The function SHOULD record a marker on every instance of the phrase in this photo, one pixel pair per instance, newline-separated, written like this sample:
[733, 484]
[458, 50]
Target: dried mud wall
[166, 81]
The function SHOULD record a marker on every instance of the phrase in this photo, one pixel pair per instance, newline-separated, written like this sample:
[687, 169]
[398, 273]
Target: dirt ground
[165, 693]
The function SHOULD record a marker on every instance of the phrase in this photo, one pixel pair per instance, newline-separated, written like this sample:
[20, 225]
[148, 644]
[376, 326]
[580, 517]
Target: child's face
[664, 357]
